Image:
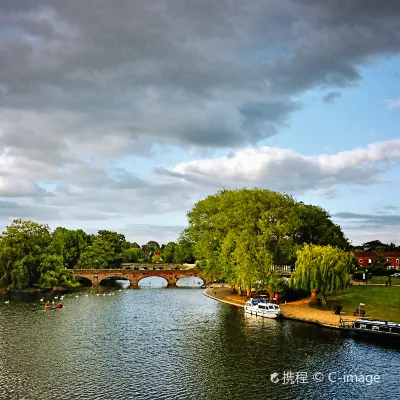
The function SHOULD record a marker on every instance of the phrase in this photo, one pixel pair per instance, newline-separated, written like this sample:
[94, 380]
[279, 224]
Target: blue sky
[123, 122]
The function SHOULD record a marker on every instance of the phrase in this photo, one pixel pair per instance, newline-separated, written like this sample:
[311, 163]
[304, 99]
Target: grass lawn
[383, 279]
[381, 302]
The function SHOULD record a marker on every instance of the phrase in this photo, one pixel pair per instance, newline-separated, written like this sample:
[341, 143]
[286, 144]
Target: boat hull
[370, 335]
[263, 313]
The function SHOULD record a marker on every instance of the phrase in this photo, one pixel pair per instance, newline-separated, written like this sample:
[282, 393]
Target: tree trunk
[313, 294]
[271, 295]
[240, 291]
[323, 298]
[248, 291]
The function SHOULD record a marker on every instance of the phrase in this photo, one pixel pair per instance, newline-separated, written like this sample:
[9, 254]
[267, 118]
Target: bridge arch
[105, 281]
[153, 281]
[84, 281]
[190, 281]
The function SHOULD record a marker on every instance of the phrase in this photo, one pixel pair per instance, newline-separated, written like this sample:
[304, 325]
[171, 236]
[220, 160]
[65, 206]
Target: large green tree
[31, 256]
[321, 270]
[240, 234]
[316, 227]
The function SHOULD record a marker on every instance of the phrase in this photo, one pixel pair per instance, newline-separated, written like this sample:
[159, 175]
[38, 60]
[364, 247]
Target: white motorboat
[262, 308]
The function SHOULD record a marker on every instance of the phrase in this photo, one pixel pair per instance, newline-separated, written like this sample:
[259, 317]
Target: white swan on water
[7, 302]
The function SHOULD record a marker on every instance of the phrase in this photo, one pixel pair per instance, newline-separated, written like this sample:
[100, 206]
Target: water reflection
[190, 282]
[153, 282]
[173, 344]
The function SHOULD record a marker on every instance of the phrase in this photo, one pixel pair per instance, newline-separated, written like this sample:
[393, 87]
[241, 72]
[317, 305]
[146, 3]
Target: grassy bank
[381, 302]
[383, 279]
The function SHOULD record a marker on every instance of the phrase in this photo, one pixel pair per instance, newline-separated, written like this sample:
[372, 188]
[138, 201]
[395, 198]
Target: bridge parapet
[156, 266]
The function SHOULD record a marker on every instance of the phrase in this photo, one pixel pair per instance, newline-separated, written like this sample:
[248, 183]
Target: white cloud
[285, 170]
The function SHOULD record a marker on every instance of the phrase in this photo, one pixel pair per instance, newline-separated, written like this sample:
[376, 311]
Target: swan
[42, 299]
[97, 294]
[76, 296]
[55, 297]
[7, 302]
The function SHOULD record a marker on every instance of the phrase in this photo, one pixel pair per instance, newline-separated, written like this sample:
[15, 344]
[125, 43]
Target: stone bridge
[95, 276]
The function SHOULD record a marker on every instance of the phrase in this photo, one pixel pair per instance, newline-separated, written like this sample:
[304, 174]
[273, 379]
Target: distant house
[366, 258]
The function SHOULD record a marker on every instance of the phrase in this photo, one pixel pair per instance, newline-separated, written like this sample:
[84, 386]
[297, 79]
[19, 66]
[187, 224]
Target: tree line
[31, 255]
[238, 236]
[376, 246]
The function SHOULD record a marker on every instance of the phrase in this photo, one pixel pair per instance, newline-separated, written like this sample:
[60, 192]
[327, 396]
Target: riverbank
[380, 302]
[298, 310]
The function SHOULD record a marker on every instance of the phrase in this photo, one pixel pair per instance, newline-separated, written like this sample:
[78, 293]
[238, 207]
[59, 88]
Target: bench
[337, 309]
[361, 313]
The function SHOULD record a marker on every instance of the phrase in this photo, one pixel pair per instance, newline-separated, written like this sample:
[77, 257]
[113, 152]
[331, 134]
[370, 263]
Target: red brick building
[366, 258]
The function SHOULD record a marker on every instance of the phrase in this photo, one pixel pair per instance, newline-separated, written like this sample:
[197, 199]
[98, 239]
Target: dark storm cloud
[83, 84]
[115, 60]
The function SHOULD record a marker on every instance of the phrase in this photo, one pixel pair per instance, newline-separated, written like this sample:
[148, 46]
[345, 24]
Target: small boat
[259, 306]
[368, 328]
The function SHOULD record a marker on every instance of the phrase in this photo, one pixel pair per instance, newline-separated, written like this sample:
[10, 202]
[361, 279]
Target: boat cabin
[374, 325]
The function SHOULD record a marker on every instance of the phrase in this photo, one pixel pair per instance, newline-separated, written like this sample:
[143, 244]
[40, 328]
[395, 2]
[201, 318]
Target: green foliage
[132, 255]
[316, 227]
[275, 284]
[72, 244]
[183, 251]
[31, 256]
[112, 242]
[376, 245]
[99, 255]
[321, 269]
[155, 259]
[169, 252]
[152, 246]
[241, 234]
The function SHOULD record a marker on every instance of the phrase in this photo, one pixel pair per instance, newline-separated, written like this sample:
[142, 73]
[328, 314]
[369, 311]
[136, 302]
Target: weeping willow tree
[321, 270]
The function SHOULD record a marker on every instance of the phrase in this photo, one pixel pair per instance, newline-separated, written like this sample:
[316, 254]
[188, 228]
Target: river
[178, 344]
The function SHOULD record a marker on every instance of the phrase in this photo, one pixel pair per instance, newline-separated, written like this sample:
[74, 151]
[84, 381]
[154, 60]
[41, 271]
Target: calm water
[176, 344]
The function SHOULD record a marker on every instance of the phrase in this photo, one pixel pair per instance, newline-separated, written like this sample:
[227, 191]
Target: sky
[122, 114]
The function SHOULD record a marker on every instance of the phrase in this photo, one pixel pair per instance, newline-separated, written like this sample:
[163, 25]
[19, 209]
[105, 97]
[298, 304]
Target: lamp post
[366, 277]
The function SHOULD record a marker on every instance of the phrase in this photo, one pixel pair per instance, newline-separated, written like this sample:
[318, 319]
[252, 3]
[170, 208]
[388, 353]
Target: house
[366, 258]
